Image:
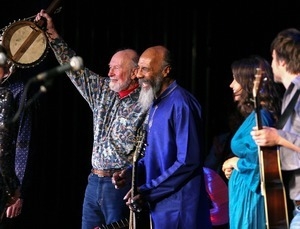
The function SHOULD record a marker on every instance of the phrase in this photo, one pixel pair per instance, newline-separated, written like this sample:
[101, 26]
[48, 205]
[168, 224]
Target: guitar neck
[133, 219]
[138, 153]
[133, 180]
[257, 114]
[272, 187]
[256, 87]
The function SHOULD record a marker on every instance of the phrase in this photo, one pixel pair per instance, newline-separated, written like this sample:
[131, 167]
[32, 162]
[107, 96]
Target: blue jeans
[103, 204]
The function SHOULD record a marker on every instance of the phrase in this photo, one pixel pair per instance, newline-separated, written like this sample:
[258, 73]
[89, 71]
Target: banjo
[25, 40]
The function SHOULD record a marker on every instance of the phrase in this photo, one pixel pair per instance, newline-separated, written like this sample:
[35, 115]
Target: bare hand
[268, 136]
[134, 203]
[15, 209]
[119, 179]
[50, 31]
[227, 173]
[229, 165]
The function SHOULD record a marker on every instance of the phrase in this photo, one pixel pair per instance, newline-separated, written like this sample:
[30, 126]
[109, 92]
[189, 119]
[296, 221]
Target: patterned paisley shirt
[9, 181]
[117, 122]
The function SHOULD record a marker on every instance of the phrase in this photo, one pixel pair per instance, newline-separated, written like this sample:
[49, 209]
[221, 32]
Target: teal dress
[246, 204]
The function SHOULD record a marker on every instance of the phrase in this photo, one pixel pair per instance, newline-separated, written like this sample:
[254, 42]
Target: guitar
[218, 194]
[272, 186]
[139, 218]
[123, 223]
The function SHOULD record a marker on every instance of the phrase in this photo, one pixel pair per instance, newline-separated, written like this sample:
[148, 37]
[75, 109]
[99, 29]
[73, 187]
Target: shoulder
[296, 81]
[185, 96]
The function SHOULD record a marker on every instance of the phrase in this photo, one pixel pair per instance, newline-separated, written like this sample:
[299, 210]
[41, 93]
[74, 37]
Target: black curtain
[204, 41]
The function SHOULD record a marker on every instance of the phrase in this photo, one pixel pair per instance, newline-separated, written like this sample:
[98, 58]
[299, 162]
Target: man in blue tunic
[173, 185]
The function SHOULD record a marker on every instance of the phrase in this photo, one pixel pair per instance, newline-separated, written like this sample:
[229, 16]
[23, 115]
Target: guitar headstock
[140, 147]
[257, 81]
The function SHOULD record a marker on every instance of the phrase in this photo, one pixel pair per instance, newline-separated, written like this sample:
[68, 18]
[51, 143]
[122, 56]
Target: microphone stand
[23, 104]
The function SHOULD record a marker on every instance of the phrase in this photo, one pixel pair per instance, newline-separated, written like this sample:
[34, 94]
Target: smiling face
[122, 71]
[150, 80]
[153, 69]
[152, 74]
[237, 89]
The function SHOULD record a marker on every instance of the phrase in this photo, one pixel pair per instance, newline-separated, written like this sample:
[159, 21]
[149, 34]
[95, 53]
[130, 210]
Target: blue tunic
[246, 204]
[174, 185]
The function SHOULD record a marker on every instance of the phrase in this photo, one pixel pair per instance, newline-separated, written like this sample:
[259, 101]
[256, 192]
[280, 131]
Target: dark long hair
[244, 71]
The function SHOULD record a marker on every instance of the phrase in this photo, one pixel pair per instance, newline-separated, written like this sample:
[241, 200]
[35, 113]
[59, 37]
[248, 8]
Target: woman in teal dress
[246, 203]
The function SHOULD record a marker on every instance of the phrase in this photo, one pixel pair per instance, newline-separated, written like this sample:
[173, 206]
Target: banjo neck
[50, 10]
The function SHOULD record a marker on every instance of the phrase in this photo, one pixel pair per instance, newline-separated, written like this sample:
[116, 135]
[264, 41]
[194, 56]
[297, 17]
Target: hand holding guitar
[119, 179]
[268, 136]
[135, 203]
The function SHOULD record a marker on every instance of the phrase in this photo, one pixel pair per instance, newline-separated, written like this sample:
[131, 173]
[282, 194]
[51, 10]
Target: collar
[166, 92]
[124, 93]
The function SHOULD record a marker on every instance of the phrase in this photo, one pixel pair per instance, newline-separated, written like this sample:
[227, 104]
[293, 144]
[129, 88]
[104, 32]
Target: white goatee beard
[146, 98]
[117, 86]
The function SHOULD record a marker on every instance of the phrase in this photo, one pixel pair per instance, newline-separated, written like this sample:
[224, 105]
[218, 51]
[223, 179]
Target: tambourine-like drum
[25, 42]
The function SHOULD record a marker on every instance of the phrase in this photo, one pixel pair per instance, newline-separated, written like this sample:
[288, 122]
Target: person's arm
[10, 181]
[23, 149]
[121, 178]
[60, 48]
[284, 142]
[269, 136]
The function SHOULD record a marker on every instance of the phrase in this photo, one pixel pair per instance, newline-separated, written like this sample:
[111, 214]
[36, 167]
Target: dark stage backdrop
[204, 41]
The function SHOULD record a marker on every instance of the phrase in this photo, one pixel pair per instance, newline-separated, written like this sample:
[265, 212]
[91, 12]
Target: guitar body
[140, 217]
[142, 221]
[116, 225]
[274, 190]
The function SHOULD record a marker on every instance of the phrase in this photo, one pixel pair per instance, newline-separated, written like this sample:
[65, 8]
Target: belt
[104, 173]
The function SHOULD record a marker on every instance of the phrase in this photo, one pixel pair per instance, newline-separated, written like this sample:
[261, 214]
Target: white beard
[117, 86]
[146, 98]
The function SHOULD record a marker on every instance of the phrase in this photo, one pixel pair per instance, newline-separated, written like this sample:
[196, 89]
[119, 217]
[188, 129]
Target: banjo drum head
[26, 44]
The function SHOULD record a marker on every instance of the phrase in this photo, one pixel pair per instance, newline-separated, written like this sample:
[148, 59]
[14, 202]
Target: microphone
[76, 63]
[3, 58]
